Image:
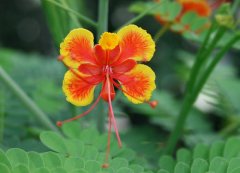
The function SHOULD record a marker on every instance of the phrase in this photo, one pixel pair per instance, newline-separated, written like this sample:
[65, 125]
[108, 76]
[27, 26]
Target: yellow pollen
[109, 41]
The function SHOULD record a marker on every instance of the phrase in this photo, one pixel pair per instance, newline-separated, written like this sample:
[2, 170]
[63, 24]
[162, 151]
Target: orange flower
[201, 7]
[112, 63]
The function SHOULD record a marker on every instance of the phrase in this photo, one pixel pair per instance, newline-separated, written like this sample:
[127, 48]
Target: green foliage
[83, 150]
[220, 157]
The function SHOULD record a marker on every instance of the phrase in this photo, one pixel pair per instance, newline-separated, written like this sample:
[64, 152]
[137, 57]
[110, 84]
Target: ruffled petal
[77, 48]
[77, 90]
[135, 43]
[138, 84]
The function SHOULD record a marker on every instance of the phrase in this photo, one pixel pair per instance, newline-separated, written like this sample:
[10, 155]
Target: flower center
[107, 69]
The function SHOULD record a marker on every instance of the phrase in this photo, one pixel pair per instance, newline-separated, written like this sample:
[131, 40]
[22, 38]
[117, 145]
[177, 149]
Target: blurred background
[30, 34]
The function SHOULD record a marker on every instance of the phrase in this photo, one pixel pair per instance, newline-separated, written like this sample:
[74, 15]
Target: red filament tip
[153, 103]
[105, 165]
[59, 123]
[60, 58]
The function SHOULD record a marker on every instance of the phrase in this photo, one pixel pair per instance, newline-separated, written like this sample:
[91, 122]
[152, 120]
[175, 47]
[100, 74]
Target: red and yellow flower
[113, 63]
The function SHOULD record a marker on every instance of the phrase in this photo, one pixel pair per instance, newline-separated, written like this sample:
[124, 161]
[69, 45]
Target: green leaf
[20, 169]
[89, 135]
[167, 163]
[216, 150]
[163, 171]
[137, 168]
[4, 168]
[73, 163]
[4, 160]
[184, 155]
[232, 148]
[17, 156]
[174, 10]
[200, 151]
[92, 166]
[181, 168]
[58, 170]
[218, 165]
[71, 129]
[35, 160]
[41, 170]
[90, 152]
[74, 147]
[124, 170]
[199, 166]
[233, 164]
[79, 171]
[53, 141]
[127, 154]
[118, 163]
[51, 160]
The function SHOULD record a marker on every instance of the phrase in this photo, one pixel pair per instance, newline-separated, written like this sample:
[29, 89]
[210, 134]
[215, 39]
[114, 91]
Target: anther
[105, 165]
[153, 103]
[59, 123]
[60, 58]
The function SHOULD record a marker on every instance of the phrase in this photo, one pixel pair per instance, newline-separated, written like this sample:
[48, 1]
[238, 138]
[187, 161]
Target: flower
[201, 7]
[111, 63]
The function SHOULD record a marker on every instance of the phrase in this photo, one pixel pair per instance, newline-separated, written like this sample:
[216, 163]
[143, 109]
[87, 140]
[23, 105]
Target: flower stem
[141, 15]
[102, 27]
[72, 16]
[40, 115]
[190, 93]
[1, 114]
[102, 17]
[80, 16]
[161, 32]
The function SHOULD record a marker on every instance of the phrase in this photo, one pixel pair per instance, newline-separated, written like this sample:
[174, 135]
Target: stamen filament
[112, 114]
[59, 123]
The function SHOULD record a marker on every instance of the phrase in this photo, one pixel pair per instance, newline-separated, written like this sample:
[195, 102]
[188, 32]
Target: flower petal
[136, 43]
[89, 69]
[77, 90]
[77, 48]
[138, 84]
[124, 66]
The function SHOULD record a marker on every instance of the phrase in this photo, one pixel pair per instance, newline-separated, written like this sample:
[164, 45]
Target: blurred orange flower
[201, 7]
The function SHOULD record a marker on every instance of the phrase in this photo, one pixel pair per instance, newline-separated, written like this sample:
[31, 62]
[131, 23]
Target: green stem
[72, 16]
[80, 16]
[43, 118]
[102, 27]
[161, 32]
[1, 114]
[235, 6]
[141, 15]
[102, 17]
[190, 97]
[213, 63]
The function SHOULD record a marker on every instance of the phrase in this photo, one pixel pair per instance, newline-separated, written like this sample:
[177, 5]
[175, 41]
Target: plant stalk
[80, 16]
[102, 27]
[190, 94]
[161, 32]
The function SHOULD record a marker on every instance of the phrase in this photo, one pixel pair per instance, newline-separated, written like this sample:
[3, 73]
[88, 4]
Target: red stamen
[60, 123]
[112, 114]
[106, 165]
